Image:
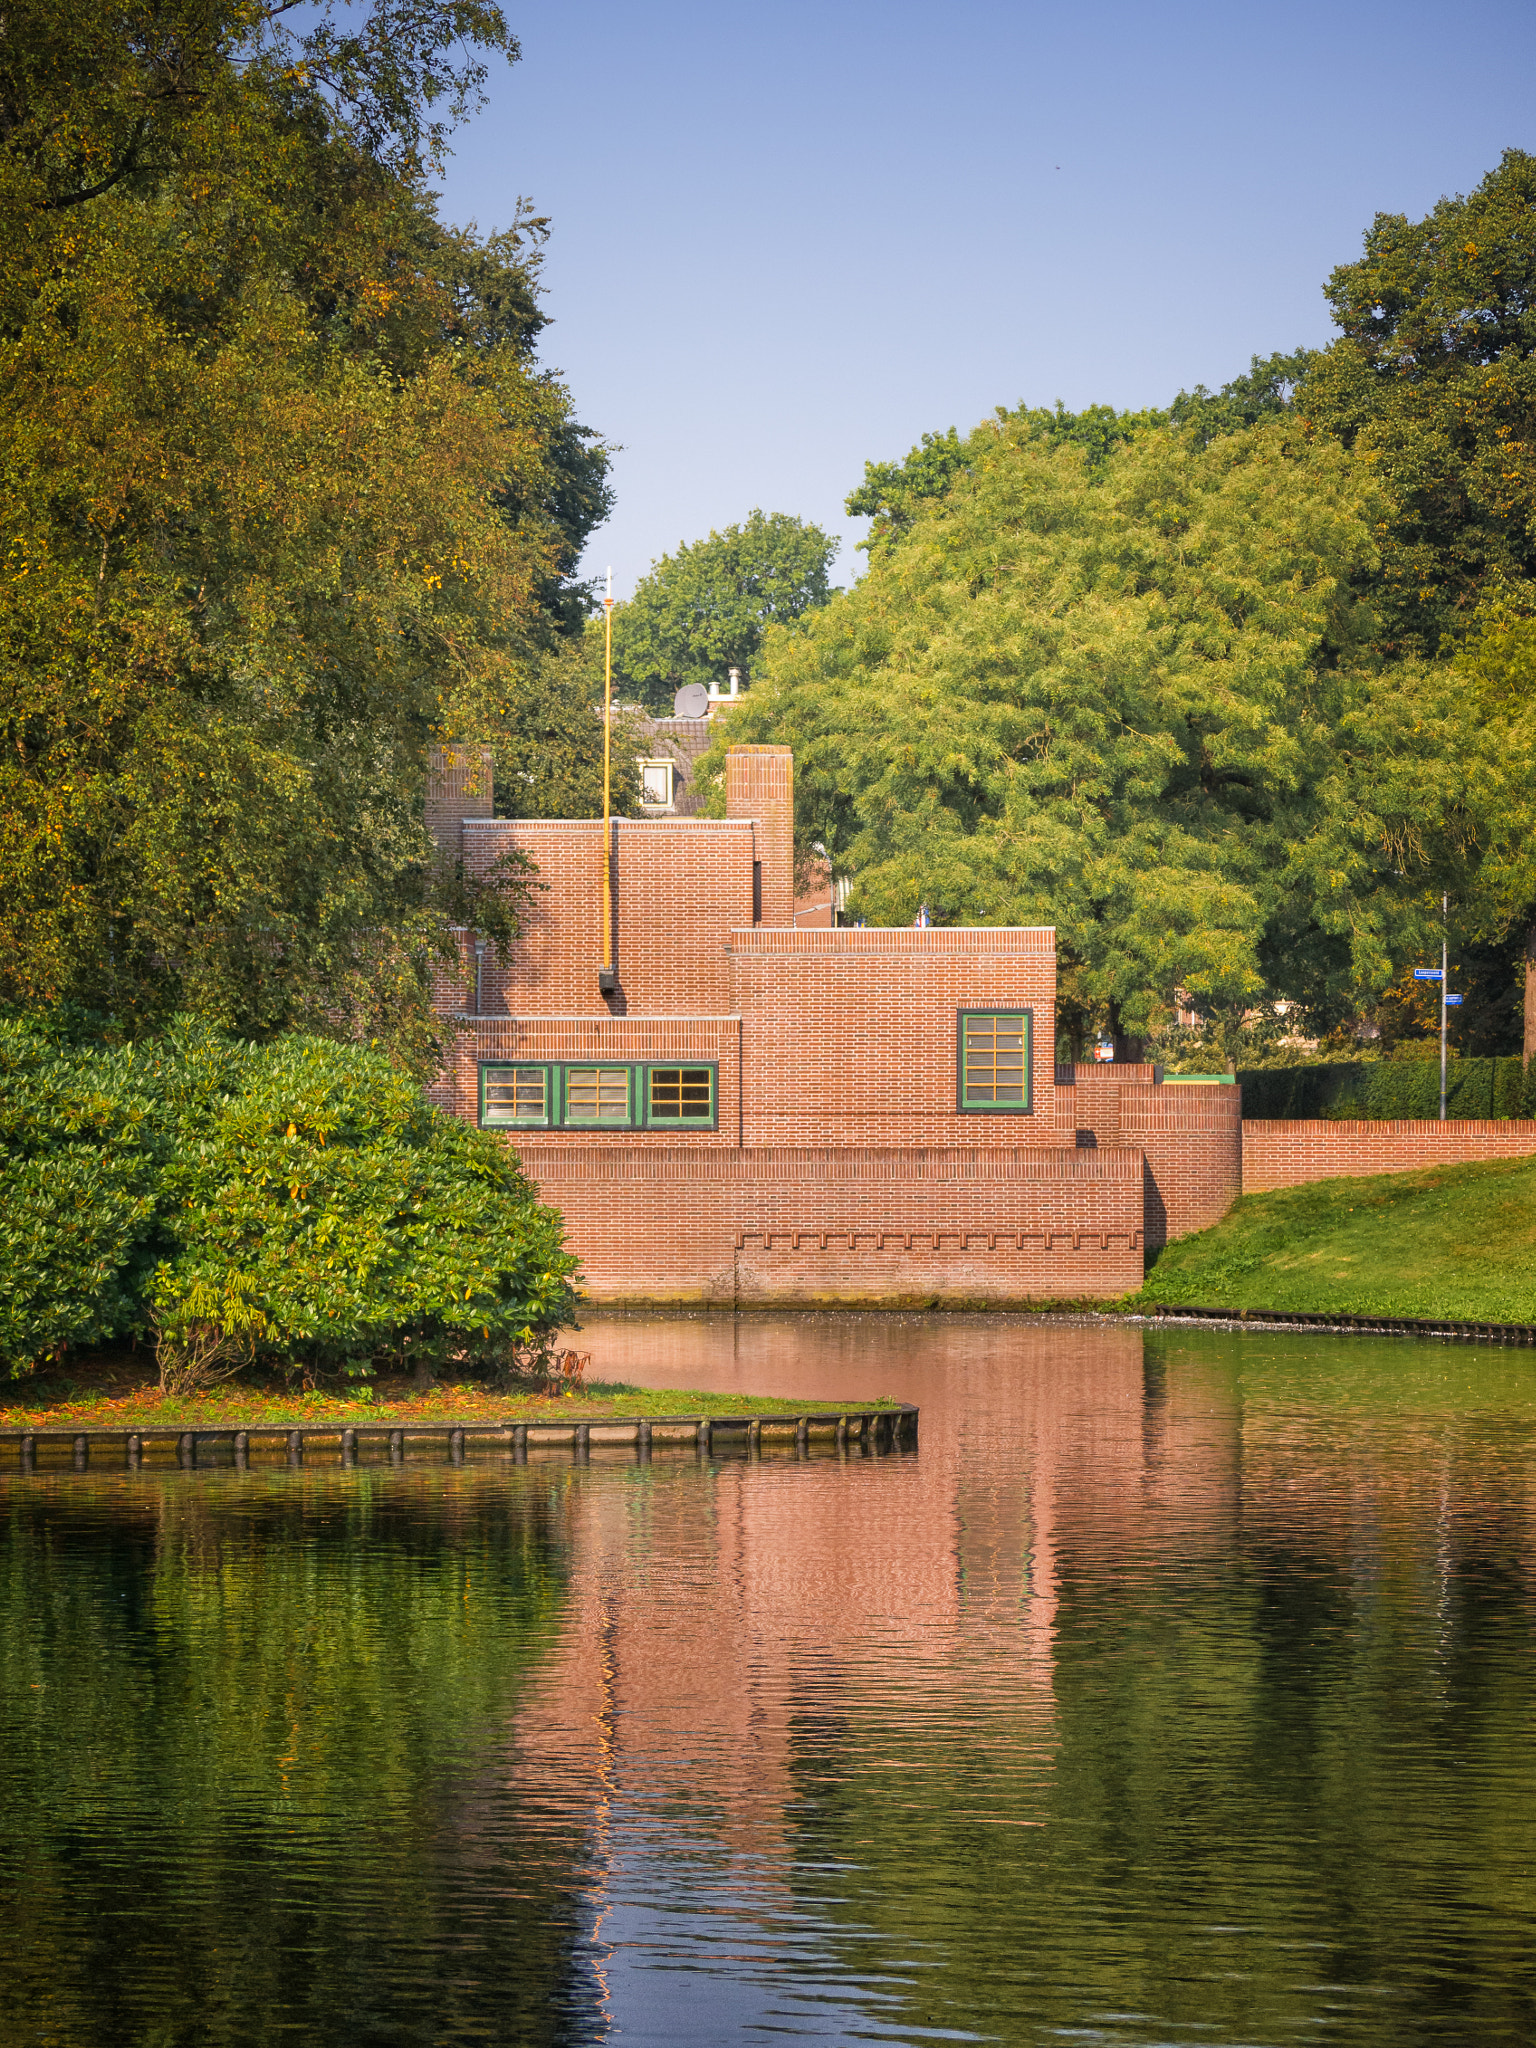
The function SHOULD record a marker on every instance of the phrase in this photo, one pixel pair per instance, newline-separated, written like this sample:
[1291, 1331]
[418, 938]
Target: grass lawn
[1454, 1241]
[118, 1391]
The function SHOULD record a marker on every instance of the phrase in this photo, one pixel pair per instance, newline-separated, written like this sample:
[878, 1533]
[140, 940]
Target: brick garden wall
[856, 1227]
[1285, 1154]
[1190, 1137]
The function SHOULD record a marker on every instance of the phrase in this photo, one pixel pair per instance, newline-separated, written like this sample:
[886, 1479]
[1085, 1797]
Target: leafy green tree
[1268, 387]
[892, 492]
[1109, 696]
[548, 738]
[1433, 383]
[703, 610]
[288, 500]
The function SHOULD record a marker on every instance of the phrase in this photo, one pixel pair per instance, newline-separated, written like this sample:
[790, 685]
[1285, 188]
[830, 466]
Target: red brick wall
[1190, 1136]
[679, 884]
[868, 1227]
[849, 1037]
[1284, 1153]
[1192, 1140]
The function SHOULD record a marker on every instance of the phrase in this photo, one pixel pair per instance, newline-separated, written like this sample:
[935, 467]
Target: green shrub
[1352, 1090]
[297, 1202]
[77, 1209]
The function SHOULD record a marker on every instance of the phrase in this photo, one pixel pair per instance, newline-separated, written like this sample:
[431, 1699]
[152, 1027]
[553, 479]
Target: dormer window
[656, 785]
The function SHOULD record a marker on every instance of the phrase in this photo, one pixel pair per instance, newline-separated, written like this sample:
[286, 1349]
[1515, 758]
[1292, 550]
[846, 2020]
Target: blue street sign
[1452, 999]
[1428, 973]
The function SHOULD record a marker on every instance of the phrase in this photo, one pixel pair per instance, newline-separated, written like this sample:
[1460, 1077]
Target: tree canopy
[288, 500]
[1230, 692]
[704, 610]
[1433, 384]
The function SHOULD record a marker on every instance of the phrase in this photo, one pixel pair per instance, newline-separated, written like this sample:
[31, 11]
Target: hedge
[298, 1201]
[1357, 1090]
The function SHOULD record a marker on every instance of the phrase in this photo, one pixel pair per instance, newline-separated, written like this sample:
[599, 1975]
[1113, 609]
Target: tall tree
[288, 498]
[703, 610]
[1107, 695]
[1432, 384]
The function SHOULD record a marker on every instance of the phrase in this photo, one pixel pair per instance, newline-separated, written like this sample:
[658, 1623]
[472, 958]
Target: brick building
[759, 1112]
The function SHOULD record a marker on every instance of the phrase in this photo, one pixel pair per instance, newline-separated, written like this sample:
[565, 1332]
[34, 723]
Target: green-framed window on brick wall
[612, 1095]
[599, 1095]
[993, 1058]
[514, 1095]
[680, 1095]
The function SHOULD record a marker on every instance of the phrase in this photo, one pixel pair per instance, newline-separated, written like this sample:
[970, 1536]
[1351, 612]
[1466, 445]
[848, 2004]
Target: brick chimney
[760, 784]
[459, 786]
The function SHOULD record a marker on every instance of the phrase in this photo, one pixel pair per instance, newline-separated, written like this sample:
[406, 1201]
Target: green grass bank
[1453, 1241]
[118, 1392]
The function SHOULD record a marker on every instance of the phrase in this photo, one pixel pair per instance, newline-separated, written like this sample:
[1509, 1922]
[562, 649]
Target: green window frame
[681, 1097]
[600, 1095]
[517, 1096]
[597, 1095]
[995, 1062]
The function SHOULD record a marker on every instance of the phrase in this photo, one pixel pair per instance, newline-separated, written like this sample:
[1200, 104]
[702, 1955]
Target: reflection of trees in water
[247, 1763]
[1289, 1777]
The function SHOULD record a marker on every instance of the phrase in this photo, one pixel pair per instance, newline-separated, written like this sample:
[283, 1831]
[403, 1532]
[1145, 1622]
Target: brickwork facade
[848, 1225]
[866, 1024]
[842, 1159]
[1280, 1153]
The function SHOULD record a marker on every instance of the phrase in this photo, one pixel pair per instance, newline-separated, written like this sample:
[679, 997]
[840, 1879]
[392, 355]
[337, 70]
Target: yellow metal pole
[607, 774]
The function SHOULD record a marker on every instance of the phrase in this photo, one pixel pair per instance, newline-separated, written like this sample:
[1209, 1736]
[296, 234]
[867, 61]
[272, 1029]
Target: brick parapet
[1289, 1152]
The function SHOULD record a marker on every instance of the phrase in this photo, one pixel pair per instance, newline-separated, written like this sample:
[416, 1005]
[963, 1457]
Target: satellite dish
[691, 701]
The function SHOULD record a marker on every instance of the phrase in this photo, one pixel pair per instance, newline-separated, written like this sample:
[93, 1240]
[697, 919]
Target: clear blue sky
[788, 239]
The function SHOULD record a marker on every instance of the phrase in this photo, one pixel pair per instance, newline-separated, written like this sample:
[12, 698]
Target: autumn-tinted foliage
[286, 499]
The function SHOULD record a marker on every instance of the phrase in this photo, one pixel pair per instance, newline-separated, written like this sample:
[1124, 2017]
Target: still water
[1180, 1688]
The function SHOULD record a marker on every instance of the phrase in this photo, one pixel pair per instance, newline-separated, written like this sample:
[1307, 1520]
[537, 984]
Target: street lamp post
[1445, 970]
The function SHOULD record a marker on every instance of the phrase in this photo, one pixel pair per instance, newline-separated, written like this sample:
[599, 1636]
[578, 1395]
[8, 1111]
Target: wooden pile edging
[868, 1430]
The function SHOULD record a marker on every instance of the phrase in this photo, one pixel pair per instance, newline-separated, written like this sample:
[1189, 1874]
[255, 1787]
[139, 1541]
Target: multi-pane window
[587, 1097]
[994, 1061]
[682, 1095]
[514, 1095]
[597, 1095]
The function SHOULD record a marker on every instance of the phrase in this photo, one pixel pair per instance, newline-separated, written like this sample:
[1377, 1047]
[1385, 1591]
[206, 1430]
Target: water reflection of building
[715, 1615]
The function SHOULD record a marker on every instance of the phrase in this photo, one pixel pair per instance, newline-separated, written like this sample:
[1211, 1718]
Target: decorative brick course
[1286, 1153]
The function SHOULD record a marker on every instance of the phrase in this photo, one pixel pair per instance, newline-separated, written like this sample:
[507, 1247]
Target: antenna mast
[607, 980]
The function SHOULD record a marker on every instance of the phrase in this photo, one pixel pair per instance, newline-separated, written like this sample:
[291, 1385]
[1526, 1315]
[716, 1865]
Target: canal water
[1179, 1688]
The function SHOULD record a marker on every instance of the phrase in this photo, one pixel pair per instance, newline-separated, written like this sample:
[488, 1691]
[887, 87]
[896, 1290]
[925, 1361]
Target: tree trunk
[1530, 997]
